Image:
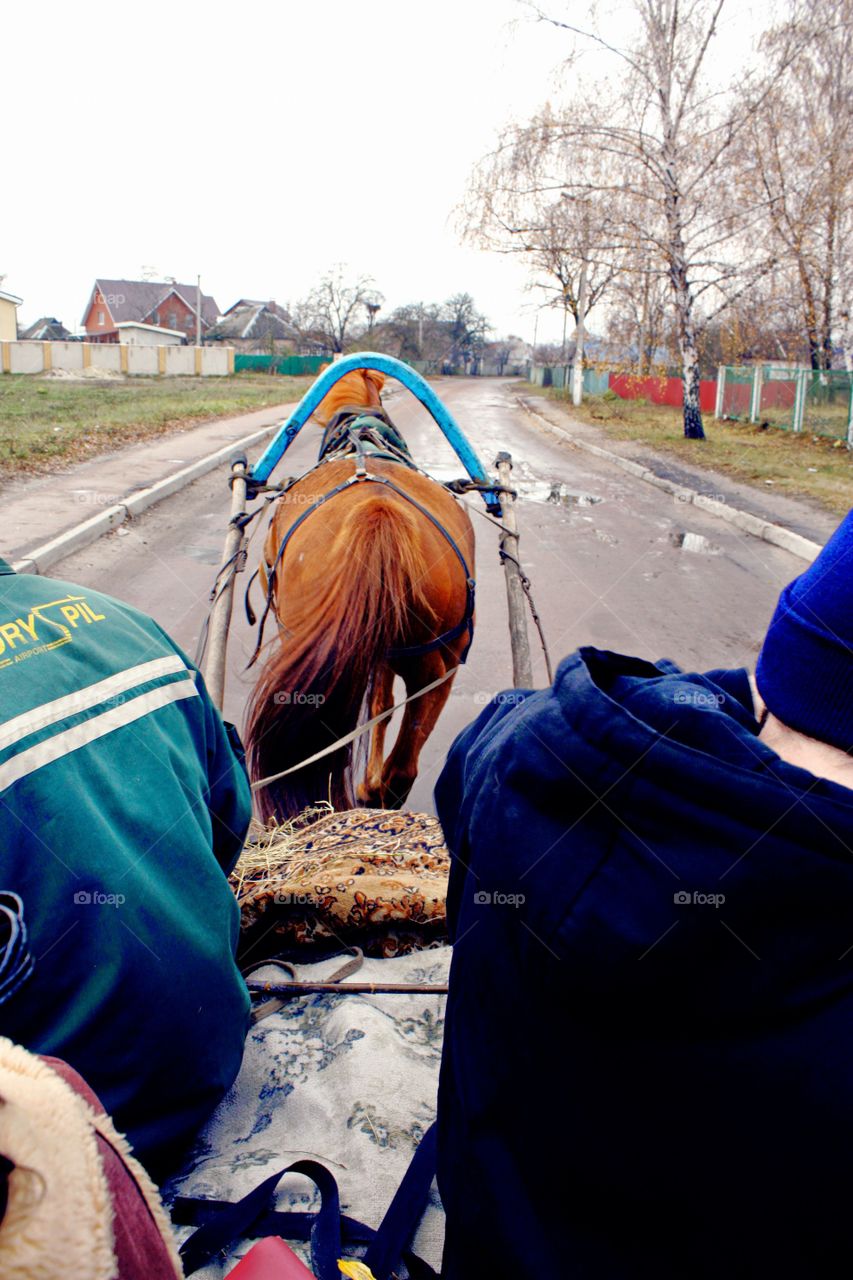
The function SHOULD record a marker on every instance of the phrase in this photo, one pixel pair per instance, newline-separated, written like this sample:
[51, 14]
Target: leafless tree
[466, 329]
[333, 309]
[798, 155]
[639, 304]
[668, 131]
[515, 205]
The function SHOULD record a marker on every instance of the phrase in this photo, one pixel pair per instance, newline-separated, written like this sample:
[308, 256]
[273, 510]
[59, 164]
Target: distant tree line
[344, 312]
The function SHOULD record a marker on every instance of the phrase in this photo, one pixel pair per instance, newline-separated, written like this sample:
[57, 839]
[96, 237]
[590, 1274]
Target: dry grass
[800, 465]
[273, 852]
[49, 422]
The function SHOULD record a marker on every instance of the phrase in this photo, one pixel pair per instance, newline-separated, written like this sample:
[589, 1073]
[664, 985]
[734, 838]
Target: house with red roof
[161, 304]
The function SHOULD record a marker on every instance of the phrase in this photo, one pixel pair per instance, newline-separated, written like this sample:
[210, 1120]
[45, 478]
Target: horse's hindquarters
[365, 574]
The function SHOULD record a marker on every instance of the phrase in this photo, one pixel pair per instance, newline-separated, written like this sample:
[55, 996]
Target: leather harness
[344, 436]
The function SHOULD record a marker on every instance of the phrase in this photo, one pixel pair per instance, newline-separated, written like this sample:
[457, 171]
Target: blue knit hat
[805, 669]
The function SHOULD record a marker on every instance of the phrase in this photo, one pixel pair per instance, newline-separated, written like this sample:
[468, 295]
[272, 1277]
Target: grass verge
[49, 422]
[800, 466]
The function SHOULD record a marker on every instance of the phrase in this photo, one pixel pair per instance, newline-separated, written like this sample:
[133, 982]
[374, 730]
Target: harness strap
[272, 568]
[409, 651]
[221, 1222]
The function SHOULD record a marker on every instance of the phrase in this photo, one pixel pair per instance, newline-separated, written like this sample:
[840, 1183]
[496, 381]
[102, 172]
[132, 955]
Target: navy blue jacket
[648, 1061]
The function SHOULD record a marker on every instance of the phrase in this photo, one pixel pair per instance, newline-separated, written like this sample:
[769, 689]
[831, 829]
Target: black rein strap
[408, 651]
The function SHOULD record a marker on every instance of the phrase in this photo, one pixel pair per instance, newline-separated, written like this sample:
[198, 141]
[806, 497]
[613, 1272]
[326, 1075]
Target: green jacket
[124, 802]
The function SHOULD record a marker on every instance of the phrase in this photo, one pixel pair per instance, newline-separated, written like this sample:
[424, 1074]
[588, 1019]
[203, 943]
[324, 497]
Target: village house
[9, 304]
[46, 329]
[259, 327]
[159, 304]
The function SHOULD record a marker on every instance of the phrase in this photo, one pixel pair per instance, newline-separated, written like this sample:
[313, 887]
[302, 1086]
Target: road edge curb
[88, 531]
[776, 534]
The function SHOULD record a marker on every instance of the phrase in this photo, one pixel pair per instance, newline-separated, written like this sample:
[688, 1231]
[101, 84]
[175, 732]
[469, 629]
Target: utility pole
[197, 311]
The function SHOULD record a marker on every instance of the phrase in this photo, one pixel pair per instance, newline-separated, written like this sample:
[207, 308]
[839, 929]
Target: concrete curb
[776, 534]
[81, 535]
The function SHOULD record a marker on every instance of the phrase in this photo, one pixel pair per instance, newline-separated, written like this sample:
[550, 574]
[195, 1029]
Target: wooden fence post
[721, 386]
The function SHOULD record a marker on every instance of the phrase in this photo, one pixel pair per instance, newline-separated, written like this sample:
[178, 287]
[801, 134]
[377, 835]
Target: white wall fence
[114, 357]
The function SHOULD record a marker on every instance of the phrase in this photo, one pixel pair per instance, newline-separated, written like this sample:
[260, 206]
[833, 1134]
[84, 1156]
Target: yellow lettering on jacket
[11, 632]
[46, 627]
[29, 626]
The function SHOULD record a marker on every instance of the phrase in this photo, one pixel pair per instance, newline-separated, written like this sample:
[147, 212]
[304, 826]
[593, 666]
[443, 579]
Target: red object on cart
[271, 1259]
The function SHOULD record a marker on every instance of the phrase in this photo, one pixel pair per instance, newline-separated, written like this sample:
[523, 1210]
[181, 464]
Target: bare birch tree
[799, 155]
[667, 131]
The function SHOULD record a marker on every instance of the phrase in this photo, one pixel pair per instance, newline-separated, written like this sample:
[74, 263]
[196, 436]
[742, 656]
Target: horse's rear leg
[381, 699]
[401, 767]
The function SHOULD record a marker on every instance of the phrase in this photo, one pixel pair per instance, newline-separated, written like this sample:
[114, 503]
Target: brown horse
[371, 585]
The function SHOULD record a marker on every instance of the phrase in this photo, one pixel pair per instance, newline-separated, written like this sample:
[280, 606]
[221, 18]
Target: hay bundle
[367, 877]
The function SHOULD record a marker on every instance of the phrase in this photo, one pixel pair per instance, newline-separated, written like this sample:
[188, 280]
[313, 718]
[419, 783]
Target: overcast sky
[259, 144]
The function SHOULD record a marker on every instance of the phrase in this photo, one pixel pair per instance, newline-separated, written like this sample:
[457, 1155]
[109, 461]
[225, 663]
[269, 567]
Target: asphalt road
[614, 562]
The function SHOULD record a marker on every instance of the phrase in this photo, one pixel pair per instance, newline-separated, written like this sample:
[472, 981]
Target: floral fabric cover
[366, 877]
[350, 1080]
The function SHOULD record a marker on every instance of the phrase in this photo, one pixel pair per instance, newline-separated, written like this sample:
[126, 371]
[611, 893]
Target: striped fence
[115, 357]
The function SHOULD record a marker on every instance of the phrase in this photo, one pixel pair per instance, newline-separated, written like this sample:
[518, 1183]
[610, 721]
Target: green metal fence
[819, 402]
[595, 381]
[293, 366]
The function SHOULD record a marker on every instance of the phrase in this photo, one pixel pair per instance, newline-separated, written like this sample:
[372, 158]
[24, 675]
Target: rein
[355, 733]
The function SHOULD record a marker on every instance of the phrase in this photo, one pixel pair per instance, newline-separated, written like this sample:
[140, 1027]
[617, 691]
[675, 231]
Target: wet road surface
[614, 562]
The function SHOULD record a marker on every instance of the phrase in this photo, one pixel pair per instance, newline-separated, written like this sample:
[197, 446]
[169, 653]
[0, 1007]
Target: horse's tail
[318, 679]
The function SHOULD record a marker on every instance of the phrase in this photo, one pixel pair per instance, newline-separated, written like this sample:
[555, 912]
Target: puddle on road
[533, 489]
[685, 540]
[205, 555]
[572, 497]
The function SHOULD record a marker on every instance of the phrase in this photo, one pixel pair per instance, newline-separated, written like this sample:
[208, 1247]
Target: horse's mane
[360, 387]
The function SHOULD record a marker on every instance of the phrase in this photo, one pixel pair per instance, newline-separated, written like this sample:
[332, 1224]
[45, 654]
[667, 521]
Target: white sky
[260, 144]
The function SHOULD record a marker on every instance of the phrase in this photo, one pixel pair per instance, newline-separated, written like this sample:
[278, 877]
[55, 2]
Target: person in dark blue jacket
[648, 1057]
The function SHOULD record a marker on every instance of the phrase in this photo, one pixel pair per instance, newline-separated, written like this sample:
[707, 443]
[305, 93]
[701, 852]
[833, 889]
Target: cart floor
[348, 1080]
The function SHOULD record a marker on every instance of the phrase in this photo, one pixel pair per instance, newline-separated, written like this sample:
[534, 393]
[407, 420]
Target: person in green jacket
[124, 804]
